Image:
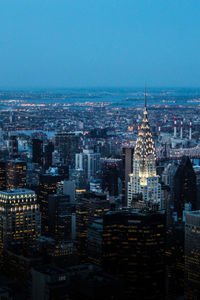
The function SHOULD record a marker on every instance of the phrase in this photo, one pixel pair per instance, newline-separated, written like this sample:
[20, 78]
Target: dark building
[175, 261]
[2, 175]
[67, 144]
[91, 282]
[48, 185]
[95, 242]
[110, 177]
[185, 190]
[192, 255]
[49, 282]
[49, 148]
[134, 250]
[37, 151]
[15, 174]
[127, 160]
[13, 146]
[90, 207]
[61, 217]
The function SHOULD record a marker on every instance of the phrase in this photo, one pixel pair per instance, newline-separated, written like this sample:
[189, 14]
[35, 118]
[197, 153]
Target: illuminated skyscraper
[20, 218]
[144, 178]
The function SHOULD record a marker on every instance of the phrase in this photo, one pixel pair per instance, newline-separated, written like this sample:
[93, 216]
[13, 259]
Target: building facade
[20, 218]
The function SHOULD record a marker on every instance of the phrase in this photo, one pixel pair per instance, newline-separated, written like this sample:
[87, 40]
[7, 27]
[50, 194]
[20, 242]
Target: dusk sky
[99, 43]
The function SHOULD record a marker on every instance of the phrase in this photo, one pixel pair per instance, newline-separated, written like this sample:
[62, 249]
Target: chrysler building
[144, 179]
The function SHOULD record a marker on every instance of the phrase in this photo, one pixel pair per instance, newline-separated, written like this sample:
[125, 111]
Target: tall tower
[144, 179]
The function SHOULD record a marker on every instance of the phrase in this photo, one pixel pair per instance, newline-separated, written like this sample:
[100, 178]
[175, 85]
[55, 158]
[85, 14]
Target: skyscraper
[89, 162]
[20, 219]
[185, 189]
[127, 158]
[37, 151]
[48, 185]
[16, 174]
[192, 255]
[13, 146]
[90, 207]
[67, 144]
[134, 250]
[49, 148]
[144, 178]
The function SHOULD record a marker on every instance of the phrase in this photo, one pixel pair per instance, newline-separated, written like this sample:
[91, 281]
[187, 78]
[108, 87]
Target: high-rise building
[90, 207]
[2, 175]
[192, 255]
[89, 162]
[69, 188]
[111, 171]
[134, 250]
[185, 189]
[13, 146]
[127, 157]
[37, 151]
[67, 144]
[48, 185]
[95, 242]
[61, 217]
[49, 148]
[144, 178]
[49, 282]
[15, 174]
[20, 218]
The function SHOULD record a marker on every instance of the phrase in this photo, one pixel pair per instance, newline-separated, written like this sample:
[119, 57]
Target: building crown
[145, 146]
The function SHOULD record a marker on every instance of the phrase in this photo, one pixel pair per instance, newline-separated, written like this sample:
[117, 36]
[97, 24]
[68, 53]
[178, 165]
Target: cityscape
[101, 199]
[99, 150]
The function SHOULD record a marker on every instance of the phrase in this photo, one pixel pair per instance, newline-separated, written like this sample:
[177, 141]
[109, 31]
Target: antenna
[145, 97]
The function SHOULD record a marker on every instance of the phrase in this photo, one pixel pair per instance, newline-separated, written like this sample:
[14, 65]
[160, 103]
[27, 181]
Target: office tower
[134, 250]
[37, 151]
[2, 175]
[13, 146]
[67, 144]
[49, 148]
[192, 255]
[89, 162]
[48, 185]
[185, 190]
[20, 218]
[175, 261]
[80, 179]
[49, 282]
[90, 207]
[127, 157]
[144, 178]
[69, 189]
[95, 242]
[16, 174]
[61, 217]
[110, 176]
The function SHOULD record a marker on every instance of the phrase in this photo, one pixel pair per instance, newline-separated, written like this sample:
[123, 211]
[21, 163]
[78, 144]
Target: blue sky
[91, 43]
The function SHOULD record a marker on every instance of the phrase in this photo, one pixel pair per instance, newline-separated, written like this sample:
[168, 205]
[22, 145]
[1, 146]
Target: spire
[145, 146]
[145, 97]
